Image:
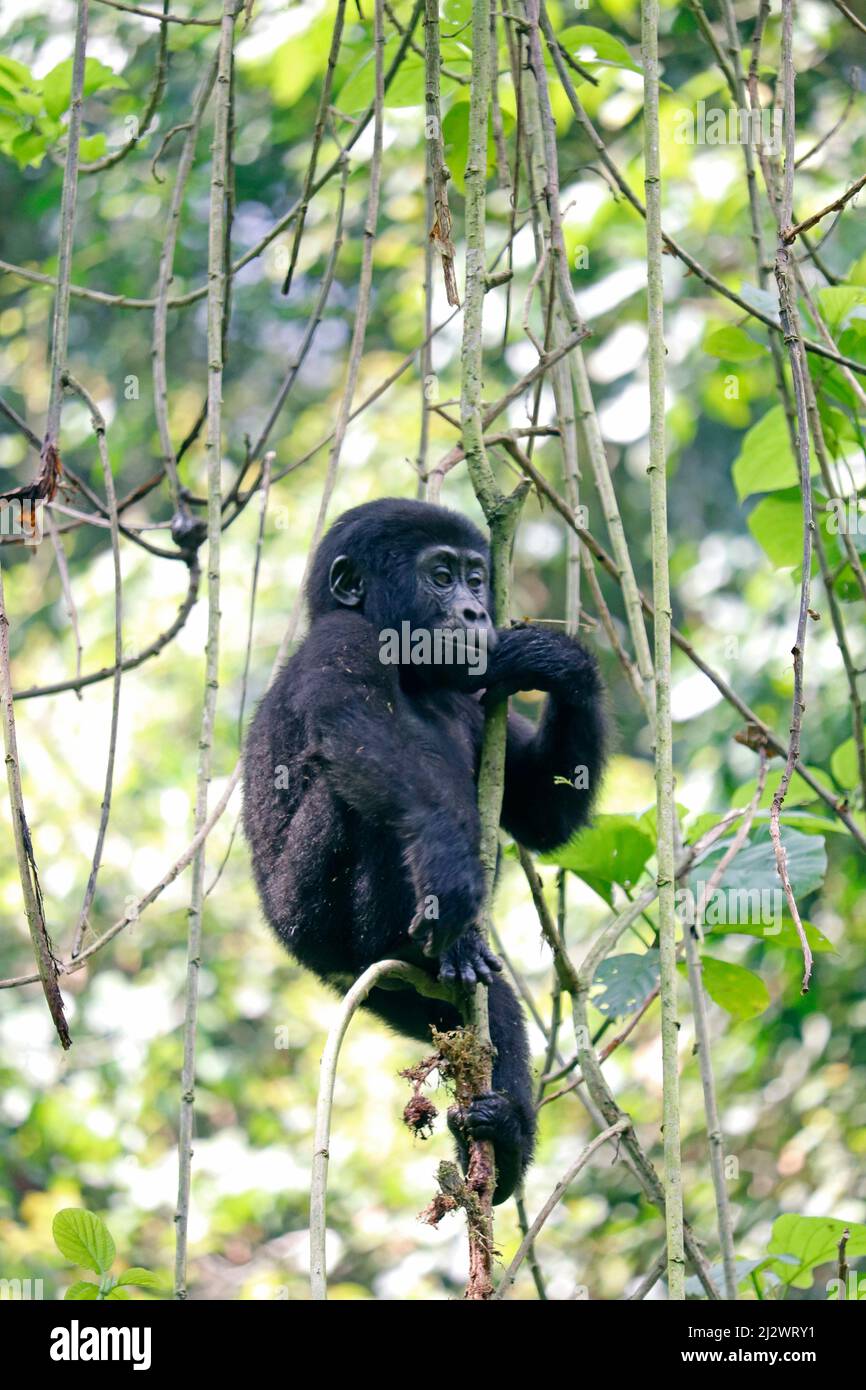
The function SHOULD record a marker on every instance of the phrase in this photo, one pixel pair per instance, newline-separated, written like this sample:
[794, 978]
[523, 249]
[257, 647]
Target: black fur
[360, 784]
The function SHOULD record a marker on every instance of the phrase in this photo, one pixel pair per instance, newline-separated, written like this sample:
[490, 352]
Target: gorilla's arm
[567, 743]
[376, 753]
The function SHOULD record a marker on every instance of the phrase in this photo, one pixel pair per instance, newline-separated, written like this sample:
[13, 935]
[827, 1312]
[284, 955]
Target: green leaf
[786, 936]
[766, 461]
[754, 868]
[625, 982]
[92, 147]
[777, 525]
[141, 1278]
[589, 45]
[84, 1239]
[10, 67]
[82, 1290]
[843, 764]
[812, 1240]
[29, 148]
[738, 991]
[57, 84]
[733, 345]
[455, 137]
[799, 792]
[614, 849]
[116, 1294]
[836, 303]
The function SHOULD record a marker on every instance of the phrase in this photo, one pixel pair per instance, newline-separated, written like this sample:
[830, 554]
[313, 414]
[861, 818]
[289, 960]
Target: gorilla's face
[453, 589]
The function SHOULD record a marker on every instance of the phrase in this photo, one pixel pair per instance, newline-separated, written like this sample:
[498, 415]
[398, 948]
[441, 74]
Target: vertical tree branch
[165, 275]
[98, 422]
[351, 1002]
[790, 321]
[665, 808]
[440, 228]
[501, 513]
[215, 305]
[68, 199]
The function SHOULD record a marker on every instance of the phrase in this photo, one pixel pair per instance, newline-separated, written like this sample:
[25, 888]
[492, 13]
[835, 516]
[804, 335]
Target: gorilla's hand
[450, 885]
[529, 657]
[469, 961]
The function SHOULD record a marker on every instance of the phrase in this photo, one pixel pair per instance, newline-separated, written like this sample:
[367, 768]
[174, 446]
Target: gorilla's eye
[442, 577]
[476, 582]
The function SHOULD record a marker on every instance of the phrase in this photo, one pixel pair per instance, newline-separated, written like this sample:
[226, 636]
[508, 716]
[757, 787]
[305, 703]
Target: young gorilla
[360, 783]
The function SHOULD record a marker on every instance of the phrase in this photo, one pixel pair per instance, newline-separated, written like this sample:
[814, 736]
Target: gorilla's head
[400, 561]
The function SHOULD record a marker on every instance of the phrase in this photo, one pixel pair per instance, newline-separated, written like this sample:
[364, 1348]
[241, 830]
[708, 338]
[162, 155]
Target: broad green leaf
[589, 45]
[29, 148]
[766, 461]
[84, 1239]
[753, 870]
[140, 1278]
[57, 84]
[836, 302]
[786, 936]
[738, 991]
[82, 1290]
[843, 764]
[455, 136]
[116, 1294]
[813, 1240]
[777, 525]
[799, 792]
[614, 849]
[733, 345]
[10, 67]
[93, 147]
[625, 982]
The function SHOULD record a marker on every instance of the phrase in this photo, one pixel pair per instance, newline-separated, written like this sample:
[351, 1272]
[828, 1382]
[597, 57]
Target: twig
[776, 745]
[98, 422]
[42, 948]
[440, 230]
[600, 1102]
[362, 312]
[555, 1197]
[791, 233]
[649, 1281]
[789, 318]
[850, 15]
[163, 18]
[157, 91]
[311, 327]
[318, 133]
[220, 174]
[501, 516]
[664, 772]
[60, 326]
[131, 662]
[351, 1002]
[164, 279]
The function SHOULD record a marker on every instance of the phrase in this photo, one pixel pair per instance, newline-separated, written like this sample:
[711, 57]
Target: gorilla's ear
[345, 583]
